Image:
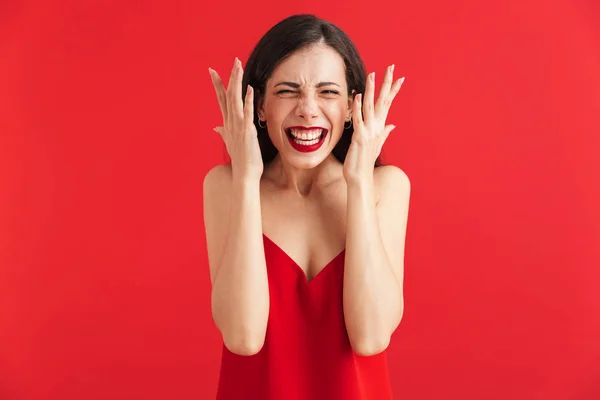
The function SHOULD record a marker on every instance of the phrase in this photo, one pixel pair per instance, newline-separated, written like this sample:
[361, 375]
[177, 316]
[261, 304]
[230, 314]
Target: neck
[304, 180]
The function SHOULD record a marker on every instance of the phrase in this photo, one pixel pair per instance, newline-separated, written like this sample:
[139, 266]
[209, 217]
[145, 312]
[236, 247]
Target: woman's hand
[238, 130]
[370, 131]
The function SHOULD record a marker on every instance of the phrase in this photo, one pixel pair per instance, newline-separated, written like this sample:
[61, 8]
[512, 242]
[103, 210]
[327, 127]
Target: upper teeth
[306, 134]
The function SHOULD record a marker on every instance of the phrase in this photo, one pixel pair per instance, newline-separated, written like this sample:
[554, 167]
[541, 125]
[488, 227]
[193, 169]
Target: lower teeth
[306, 142]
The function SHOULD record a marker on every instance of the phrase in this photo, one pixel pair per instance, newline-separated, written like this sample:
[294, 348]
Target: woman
[305, 230]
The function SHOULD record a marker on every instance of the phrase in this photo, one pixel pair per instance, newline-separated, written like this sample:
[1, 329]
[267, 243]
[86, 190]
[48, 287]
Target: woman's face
[306, 104]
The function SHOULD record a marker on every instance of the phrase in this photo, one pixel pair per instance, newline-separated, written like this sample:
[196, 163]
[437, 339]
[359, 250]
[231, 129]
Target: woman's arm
[240, 295]
[374, 269]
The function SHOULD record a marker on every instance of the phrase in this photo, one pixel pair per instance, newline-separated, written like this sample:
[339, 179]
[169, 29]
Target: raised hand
[370, 131]
[238, 130]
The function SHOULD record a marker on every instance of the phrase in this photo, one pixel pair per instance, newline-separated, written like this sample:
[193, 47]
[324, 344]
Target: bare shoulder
[391, 181]
[217, 180]
[216, 193]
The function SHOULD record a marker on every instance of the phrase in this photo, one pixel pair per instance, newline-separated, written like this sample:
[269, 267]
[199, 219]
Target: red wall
[106, 110]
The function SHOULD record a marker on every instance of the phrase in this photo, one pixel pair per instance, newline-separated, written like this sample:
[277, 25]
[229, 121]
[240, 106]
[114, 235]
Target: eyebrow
[297, 85]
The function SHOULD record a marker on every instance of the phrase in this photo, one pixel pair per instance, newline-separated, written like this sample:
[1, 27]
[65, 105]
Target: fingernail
[372, 77]
[392, 68]
[210, 71]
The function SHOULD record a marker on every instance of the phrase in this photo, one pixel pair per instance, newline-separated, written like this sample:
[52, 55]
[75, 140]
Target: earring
[348, 127]
[261, 126]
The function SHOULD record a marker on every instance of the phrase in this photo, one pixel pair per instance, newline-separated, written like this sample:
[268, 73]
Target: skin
[331, 206]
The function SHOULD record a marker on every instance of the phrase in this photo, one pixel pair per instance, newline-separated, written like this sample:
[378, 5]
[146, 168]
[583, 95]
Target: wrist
[361, 188]
[363, 181]
[244, 177]
[244, 182]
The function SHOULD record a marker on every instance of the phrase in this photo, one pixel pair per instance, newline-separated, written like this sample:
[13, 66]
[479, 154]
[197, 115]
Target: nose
[307, 108]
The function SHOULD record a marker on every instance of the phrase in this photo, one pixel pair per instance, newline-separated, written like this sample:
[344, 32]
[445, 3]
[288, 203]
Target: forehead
[312, 64]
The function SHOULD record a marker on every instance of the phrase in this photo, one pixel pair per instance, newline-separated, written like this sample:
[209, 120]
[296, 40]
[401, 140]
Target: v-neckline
[299, 268]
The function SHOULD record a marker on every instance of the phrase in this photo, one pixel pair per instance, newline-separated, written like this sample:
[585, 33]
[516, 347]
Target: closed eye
[326, 92]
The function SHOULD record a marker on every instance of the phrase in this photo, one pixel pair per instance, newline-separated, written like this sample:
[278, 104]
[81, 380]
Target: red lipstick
[306, 146]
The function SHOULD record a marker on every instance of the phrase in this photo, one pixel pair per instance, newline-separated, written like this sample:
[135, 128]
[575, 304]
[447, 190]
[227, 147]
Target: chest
[311, 231]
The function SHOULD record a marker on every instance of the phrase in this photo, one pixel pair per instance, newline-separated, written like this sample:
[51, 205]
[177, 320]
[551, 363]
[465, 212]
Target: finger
[249, 106]
[368, 105]
[229, 88]
[386, 87]
[219, 90]
[390, 98]
[357, 118]
[234, 90]
[386, 133]
[395, 89]
[219, 130]
[387, 130]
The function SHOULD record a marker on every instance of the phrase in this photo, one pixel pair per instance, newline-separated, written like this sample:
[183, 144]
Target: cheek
[278, 109]
[276, 112]
[336, 112]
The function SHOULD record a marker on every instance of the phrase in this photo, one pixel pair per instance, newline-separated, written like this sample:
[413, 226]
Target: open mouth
[306, 139]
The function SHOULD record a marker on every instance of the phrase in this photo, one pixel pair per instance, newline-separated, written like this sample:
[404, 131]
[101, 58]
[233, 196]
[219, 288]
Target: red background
[106, 111]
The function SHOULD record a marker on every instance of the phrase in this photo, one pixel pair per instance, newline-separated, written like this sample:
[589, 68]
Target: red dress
[307, 354]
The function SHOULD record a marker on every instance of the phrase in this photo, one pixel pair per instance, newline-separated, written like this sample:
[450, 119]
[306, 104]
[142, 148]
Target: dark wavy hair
[282, 40]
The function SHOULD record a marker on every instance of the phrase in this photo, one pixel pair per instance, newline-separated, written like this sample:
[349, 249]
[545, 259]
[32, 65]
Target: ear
[350, 101]
[260, 108]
